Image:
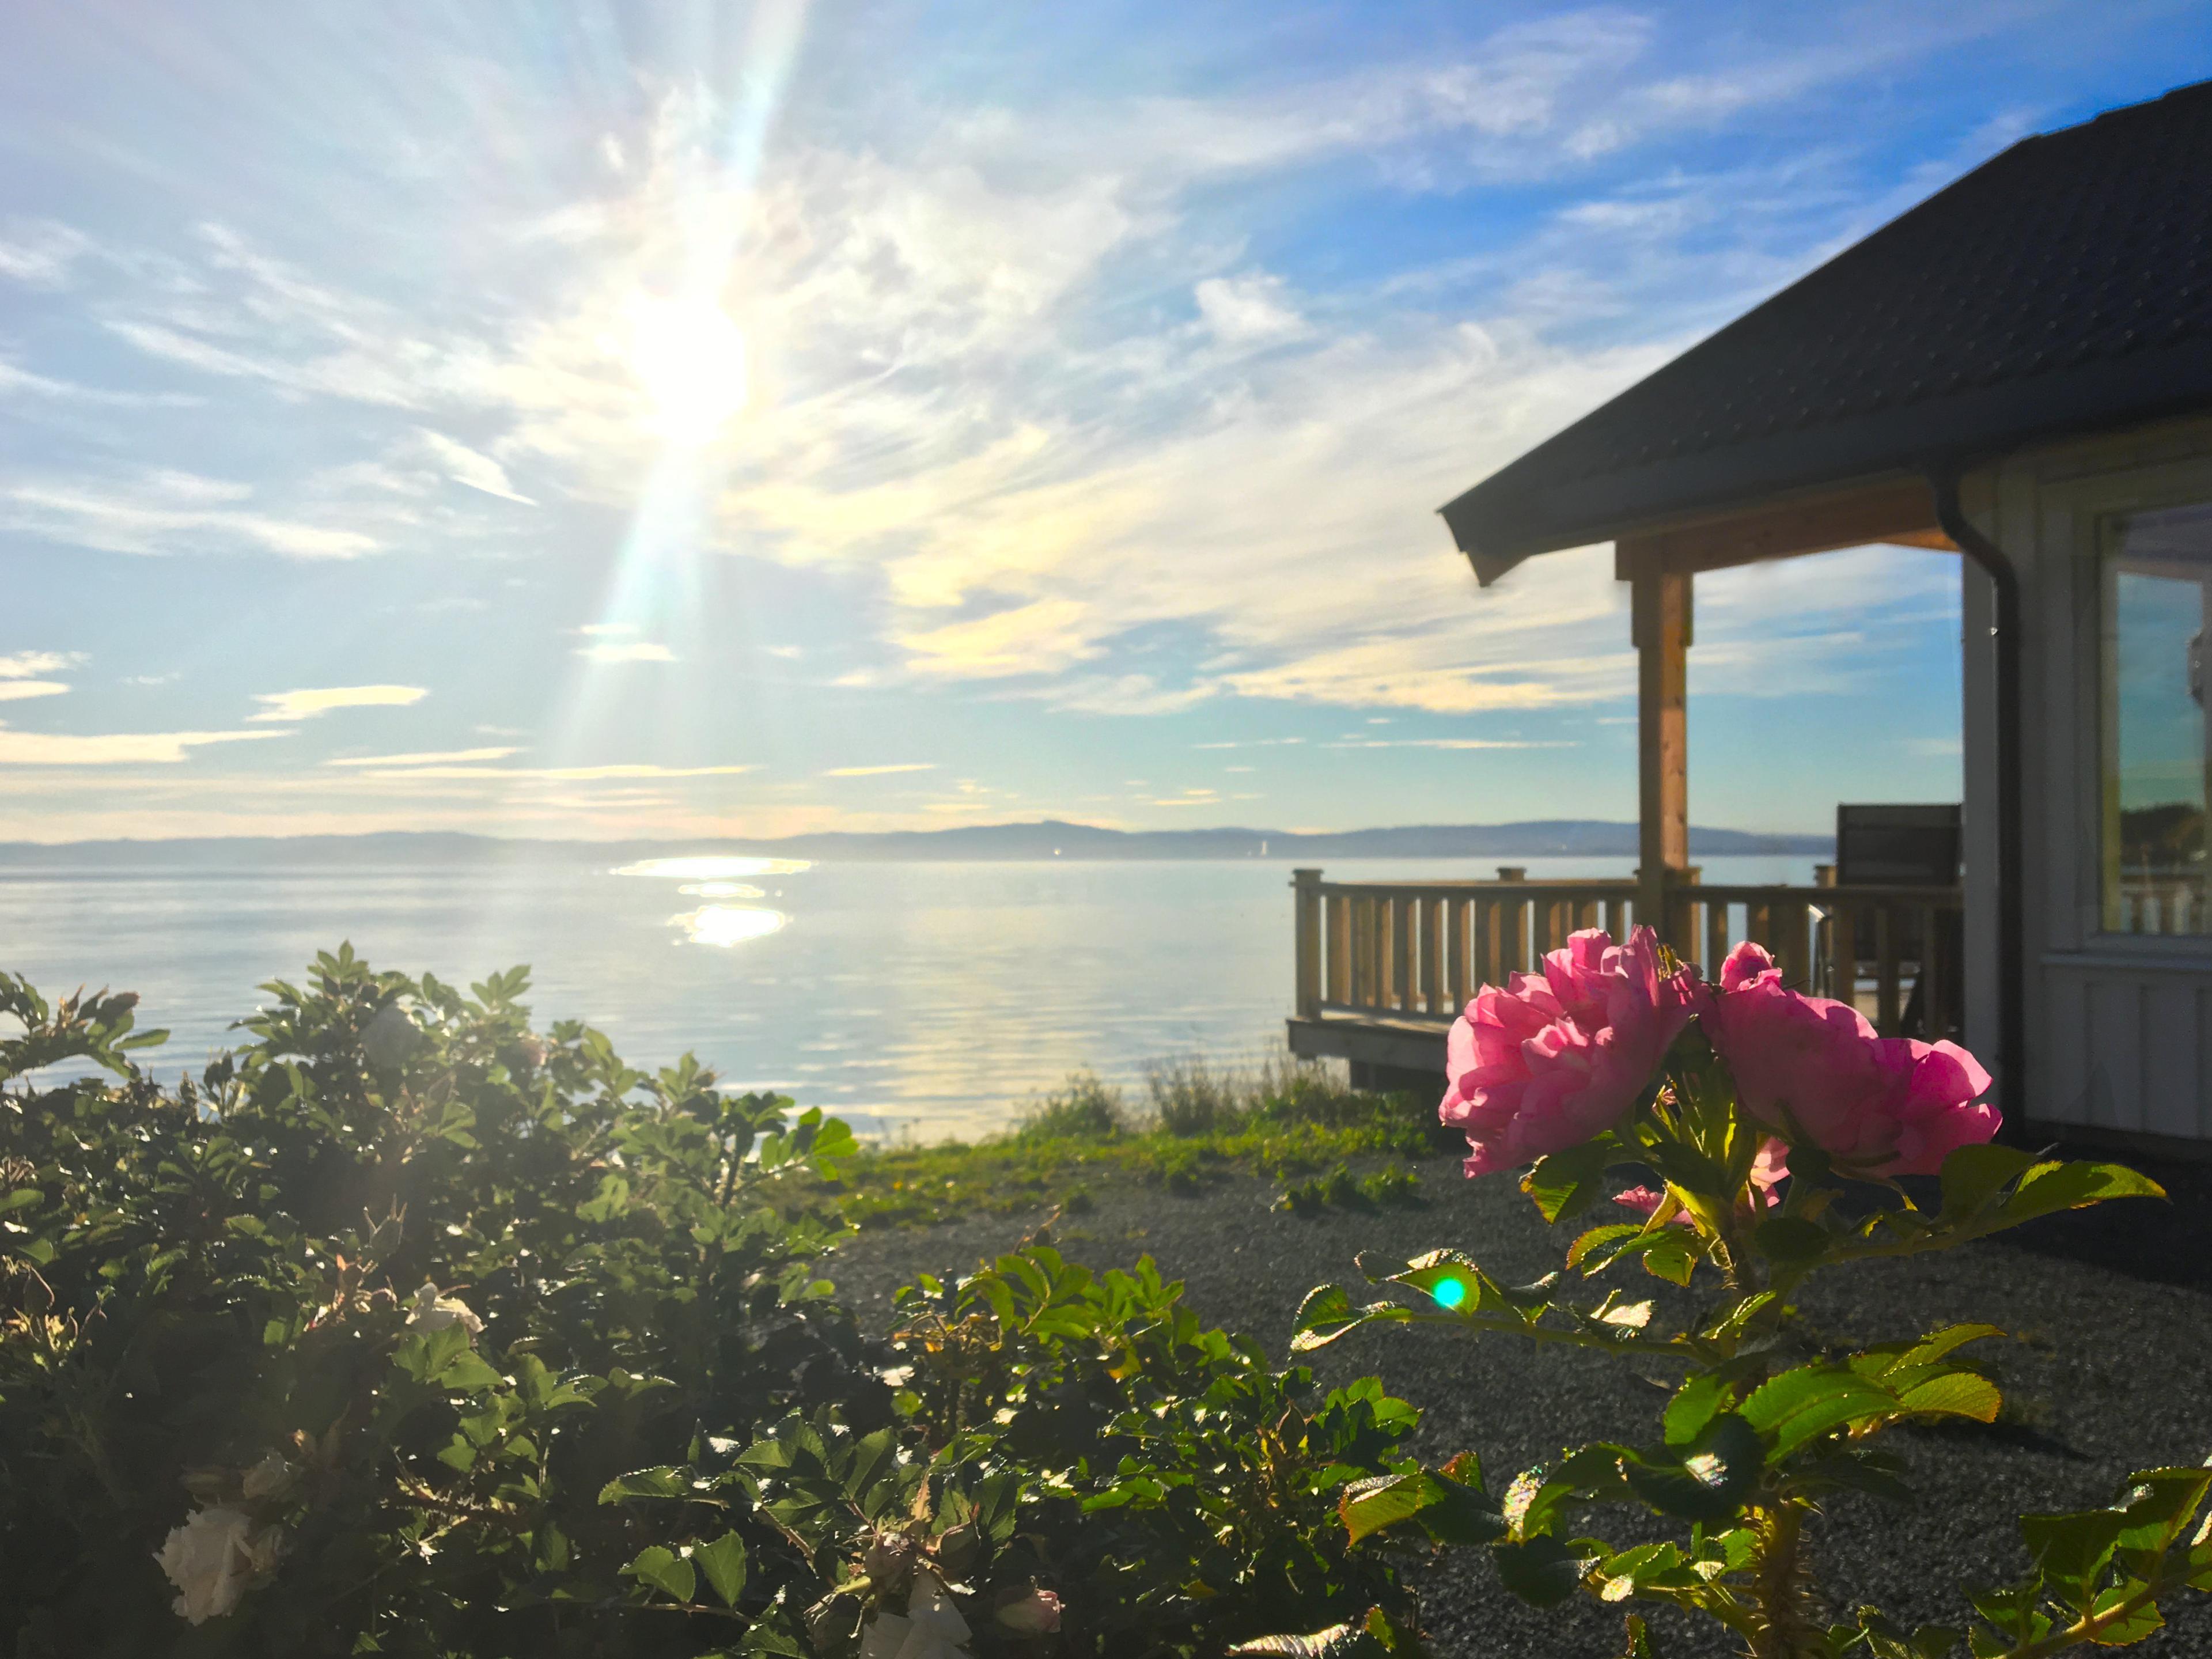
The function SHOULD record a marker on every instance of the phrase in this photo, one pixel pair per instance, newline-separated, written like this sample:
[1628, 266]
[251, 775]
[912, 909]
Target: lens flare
[1449, 1292]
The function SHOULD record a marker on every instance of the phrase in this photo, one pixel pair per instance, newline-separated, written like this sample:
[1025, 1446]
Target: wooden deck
[1383, 968]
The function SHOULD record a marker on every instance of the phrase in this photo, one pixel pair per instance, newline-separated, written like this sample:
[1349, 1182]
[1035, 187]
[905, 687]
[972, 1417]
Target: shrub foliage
[405, 1329]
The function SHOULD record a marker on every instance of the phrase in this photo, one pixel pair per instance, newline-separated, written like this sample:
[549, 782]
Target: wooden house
[2015, 374]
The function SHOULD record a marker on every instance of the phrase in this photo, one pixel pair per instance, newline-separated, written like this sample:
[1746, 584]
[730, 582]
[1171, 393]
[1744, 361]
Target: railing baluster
[1843, 954]
[1436, 972]
[1716, 937]
[1339, 948]
[1403, 959]
[1885, 951]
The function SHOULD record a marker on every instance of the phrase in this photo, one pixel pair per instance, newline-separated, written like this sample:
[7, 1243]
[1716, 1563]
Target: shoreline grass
[1197, 1124]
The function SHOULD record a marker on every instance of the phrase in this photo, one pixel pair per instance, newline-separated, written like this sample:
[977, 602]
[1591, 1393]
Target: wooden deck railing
[1416, 951]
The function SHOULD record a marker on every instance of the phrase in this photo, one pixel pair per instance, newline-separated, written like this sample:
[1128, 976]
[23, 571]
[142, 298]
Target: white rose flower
[932, 1627]
[433, 1312]
[271, 1478]
[214, 1558]
[1036, 1613]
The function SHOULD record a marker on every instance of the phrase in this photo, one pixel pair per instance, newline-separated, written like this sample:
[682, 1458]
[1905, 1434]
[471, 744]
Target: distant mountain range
[1044, 839]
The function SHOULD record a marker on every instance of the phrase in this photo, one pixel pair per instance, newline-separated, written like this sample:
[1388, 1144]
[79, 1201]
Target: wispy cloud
[561, 774]
[440, 757]
[41, 254]
[25, 664]
[307, 703]
[111, 749]
[879, 771]
[612, 650]
[467, 466]
[167, 513]
[19, 690]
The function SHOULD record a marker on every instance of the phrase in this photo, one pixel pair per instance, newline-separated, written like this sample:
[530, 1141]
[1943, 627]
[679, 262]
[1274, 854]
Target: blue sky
[680, 419]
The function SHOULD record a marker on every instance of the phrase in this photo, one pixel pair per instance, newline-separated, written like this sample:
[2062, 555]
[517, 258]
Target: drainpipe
[2012, 985]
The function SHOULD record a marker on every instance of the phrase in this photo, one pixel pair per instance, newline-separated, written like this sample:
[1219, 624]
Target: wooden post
[1306, 886]
[1660, 614]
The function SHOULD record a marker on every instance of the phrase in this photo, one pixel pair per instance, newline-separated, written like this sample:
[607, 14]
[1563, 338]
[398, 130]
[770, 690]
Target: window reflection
[2157, 575]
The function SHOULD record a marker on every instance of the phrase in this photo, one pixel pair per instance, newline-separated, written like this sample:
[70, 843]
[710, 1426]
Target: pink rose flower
[1879, 1105]
[1556, 1060]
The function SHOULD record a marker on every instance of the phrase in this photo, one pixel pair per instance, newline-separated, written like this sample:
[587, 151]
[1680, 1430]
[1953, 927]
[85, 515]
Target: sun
[690, 360]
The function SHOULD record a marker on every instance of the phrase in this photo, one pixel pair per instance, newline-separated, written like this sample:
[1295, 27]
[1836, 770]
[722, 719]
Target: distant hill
[1046, 839]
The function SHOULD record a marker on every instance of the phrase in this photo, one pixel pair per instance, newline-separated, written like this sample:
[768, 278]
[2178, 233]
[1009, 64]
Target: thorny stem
[1785, 1630]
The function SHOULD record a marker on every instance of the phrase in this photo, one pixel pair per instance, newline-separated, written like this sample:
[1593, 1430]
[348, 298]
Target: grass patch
[1284, 1119]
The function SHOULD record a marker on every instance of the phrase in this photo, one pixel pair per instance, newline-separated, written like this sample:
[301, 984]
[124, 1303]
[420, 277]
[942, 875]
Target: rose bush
[1777, 1128]
[406, 1330]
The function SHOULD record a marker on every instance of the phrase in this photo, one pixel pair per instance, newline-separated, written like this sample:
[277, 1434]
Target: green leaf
[1567, 1183]
[1694, 1406]
[1954, 1393]
[723, 1561]
[1337, 1642]
[1795, 1406]
[2071, 1550]
[662, 1482]
[1596, 1242]
[2159, 1505]
[1326, 1308]
[1543, 1571]
[1705, 1481]
[1448, 1512]
[1972, 1176]
[466, 1372]
[664, 1569]
[1674, 1254]
[425, 1354]
[2142, 1621]
[1791, 1240]
[2049, 1188]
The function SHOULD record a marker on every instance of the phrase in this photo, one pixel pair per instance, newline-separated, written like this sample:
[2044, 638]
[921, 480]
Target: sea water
[921, 999]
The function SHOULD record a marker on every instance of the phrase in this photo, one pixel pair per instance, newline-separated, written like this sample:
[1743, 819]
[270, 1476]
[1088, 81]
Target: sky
[684, 420]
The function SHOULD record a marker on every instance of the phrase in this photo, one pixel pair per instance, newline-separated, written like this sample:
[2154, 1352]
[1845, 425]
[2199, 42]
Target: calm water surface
[922, 999]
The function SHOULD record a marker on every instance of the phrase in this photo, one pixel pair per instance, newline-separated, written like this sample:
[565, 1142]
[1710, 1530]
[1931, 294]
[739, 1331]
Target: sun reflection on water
[713, 867]
[727, 925]
[720, 890]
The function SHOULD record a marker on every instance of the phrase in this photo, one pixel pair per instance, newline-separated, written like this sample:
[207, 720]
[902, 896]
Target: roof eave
[1512, 516]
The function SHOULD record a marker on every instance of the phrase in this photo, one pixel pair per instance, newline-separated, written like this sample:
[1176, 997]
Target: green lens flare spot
[1449, 1292]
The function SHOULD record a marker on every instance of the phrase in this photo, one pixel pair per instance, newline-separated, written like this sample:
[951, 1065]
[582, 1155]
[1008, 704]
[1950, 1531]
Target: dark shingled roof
[2063, 286]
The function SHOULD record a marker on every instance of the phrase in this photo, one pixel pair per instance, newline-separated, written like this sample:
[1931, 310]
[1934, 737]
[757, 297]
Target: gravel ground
[2112, 1370]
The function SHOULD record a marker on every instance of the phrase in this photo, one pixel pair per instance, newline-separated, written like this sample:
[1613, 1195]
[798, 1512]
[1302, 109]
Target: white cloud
[1127, 694]
[879, 771]
[23, 382]
[305, 704]
[1243, 310]
[41, 254]
[561, 774]
[466, 466]
[610, 651]
[18, 690]
[449, 757]
[111, 749]
[167, 512]
[24, 665]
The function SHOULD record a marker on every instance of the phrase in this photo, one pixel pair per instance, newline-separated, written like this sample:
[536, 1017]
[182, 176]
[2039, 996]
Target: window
[2157, 579]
